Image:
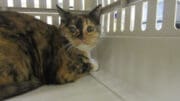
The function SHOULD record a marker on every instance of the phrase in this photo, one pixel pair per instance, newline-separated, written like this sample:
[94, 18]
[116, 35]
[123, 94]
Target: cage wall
[45, 10]
[138, 52]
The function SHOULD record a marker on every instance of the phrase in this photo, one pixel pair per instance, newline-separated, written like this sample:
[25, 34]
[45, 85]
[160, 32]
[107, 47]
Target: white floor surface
[85, 89]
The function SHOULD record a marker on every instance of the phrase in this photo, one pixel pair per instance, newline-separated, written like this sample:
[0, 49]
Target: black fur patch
[50, 59]
[79, 25]
[18, 88]
[5, 22]
[28, 46]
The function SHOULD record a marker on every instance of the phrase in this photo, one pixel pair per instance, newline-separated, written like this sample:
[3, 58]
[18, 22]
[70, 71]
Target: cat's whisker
[66, 46]
[69, 49]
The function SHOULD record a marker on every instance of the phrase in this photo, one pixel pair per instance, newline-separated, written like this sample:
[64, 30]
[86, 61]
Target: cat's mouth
[84, 47]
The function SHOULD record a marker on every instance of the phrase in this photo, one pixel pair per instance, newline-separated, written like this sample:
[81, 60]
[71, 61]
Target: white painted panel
[111, 22]
[54, 2]
[42, 3]
[151, 18]
[66, 4]
[140, 69]
[3, 4]
[78, 4]
[17, 3]
[127, 19]
[30, 3]
[90, 4]
[43, 18]
[169, 15]
[138, 17]
[105, 23]
[118, 20]
[56, 20]
[85, 89]
[135, 65]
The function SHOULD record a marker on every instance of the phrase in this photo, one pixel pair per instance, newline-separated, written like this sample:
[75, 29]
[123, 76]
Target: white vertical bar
[103, 3]
[83, 4]
[36, 4]
[109, 19]
[24, 3]
[132, 18]
[60, 3]
[102, 23]
[151, 17]
[59, 20]
[159, 14]
[97, 2]
[115, 21]
[10, 3]
[123, 18]
[100, 2]
[144, 16]
[48, 4]
[169, 15]
[49, 20]
[108, 2]
[71, 4]
[37, 17]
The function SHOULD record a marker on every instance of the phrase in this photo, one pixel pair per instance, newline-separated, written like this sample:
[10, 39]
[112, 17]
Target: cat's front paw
[95, 65]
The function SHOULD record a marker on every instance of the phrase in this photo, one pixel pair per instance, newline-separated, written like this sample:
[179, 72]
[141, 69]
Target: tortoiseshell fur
[33, 53]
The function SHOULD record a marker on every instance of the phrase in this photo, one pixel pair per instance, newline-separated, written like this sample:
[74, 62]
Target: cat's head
[82, 30]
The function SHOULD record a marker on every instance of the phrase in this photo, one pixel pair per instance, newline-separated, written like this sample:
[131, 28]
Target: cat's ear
[96, 13]
[65, 15]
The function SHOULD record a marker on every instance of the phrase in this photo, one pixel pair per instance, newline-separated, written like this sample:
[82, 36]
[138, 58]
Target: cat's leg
[95, 65]
[15, 79]
[17, 88]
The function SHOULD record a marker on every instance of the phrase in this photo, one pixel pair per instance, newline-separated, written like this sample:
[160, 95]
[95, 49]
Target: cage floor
[85, 89]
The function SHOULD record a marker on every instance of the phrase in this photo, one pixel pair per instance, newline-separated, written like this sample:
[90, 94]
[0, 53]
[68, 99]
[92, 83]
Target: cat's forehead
[80, 18]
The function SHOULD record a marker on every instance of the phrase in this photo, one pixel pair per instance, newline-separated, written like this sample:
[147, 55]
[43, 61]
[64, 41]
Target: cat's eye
[72, 29]
[90, 29]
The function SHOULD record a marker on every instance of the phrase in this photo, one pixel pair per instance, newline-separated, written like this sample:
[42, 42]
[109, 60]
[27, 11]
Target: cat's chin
[84, 47]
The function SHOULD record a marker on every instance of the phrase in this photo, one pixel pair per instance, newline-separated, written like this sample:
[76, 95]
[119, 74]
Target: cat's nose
[86, 68]
[80, 36]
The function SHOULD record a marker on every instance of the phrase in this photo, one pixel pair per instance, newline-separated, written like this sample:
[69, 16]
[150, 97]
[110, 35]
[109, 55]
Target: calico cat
[33, 53]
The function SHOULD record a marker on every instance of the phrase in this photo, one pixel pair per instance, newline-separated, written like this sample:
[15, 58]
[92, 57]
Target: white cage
[138, 52]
